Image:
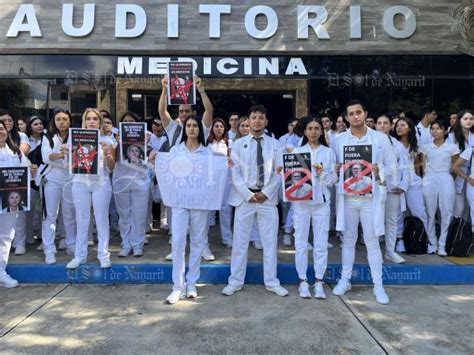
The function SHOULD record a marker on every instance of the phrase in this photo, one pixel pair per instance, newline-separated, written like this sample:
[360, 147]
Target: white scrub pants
[460, 210]
[416, 205]
[439, 191]
[197, 221]
[392, 211]
[225, 223]
[267, 220]
[7, 232]
[131, 197]
[99, 194]
[360, 208]
[58, 193]
[318, 216]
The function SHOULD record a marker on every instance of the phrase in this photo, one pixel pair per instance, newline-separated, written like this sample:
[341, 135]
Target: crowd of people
[416, 169]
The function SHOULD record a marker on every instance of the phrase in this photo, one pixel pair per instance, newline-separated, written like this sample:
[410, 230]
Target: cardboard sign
[358, 170]
[83, 151]
[14, 189]
[181, 88]
[133, 143]
[297, 177]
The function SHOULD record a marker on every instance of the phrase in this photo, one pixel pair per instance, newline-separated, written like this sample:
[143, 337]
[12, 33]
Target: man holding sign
[365, 160]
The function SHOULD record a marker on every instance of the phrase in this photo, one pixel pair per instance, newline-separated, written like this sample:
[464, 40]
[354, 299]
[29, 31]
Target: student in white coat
[428, 116]
[57, 186]
[131, 188]
[405, 132]
[94, 190]
[195, 220]
[317, 212]
[10, 156]
[462, 134]
[466, 157]
[219, 142]
[255, 194]
[369, 209]
[174, 128]
[396, 187]
[438, 184]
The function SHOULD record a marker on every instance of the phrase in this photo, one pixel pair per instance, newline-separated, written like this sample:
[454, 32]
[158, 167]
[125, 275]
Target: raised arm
[163, 103]
[208, 108]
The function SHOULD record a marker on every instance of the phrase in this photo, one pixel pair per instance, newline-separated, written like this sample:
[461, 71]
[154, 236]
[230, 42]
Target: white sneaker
[50, 258]
[432, 249]
[442, 252]
[303, 290]
[105, 263]
[20, 250]
[124, 251]
[391, 255]
[40, 247]
[137, 252]
[62, 244]
[319, 290]
[287, 240]
[8, 282]
[342, 287]
[75, 262]
[169, 257]
[400, 247]
[380, 295]
[310, 246]
[175, 296]
[191, 291]
[91, 243]
[229, 290]
[278, 290]
[257, 245]
[207, 254]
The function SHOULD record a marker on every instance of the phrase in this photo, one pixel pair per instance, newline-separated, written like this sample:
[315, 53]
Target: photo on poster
[358, 170]
[14, 189]
[297, 177]
[133, 143]
[181, 87]
[83, 151]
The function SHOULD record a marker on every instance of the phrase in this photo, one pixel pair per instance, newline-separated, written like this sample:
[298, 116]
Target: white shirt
[405, 154]
[23, 138]
[181, 148]
[423, 134]
[253, 176]
[459, 181]
[59, 168]
[467, 155]
[232, 134]
[10, 159]
[156, 142]
[439, 159]
[220, 147]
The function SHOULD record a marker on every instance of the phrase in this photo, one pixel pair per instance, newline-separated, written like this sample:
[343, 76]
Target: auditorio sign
[259, 21]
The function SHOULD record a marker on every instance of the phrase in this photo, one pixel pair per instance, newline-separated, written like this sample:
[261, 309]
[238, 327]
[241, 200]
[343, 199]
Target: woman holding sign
[10, 157]
[438, 185]
[195, 220]
[315, 212]
[92, 187]
[131, 185]
[57, 186]
[396, 186]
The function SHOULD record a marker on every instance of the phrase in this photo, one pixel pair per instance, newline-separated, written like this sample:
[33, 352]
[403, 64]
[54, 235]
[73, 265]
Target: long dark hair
[10, 143]
[201, 139]
[225, 136]
[54, 130]
[305, 121]
[14, 133]
[412, 139]
[29, 123]
[457, 130]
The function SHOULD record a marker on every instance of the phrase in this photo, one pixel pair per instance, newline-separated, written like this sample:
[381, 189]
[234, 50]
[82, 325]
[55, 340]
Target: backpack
[35, 156]
[459, 240]
[414, 236]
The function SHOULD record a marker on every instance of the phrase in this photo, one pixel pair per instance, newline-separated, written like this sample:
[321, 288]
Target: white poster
[192, 181]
